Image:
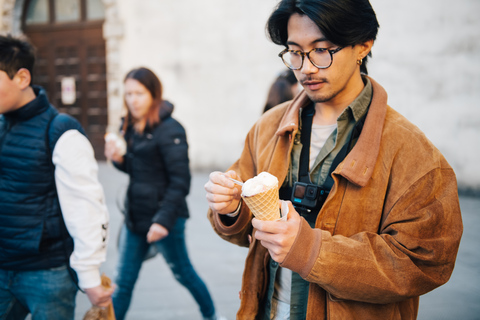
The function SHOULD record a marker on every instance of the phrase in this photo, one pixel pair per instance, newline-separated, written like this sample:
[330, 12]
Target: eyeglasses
[320, 57]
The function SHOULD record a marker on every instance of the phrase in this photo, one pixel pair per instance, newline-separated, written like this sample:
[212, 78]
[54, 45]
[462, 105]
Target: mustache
[310, 80]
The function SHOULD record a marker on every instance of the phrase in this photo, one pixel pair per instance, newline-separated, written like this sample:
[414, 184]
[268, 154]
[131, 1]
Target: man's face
[334, 85]
[10, 93]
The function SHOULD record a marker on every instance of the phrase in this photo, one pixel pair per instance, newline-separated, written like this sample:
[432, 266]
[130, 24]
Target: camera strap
[307, 119]
[303, 172]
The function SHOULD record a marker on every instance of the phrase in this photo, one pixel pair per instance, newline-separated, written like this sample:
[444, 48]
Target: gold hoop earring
[359, 62]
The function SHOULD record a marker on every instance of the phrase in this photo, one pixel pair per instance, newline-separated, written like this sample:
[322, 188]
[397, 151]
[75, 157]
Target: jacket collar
[166, 109]
[358, 165]
[31, 109]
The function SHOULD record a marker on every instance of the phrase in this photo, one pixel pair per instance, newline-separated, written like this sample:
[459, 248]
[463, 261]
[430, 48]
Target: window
[95, 10]
[58, 12]
[67, 10]
[37, 12]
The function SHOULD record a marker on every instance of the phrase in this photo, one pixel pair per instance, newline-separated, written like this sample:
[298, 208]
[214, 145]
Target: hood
[166, 109]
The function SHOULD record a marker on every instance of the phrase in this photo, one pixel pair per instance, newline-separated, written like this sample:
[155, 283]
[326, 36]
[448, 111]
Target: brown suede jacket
[388, 232]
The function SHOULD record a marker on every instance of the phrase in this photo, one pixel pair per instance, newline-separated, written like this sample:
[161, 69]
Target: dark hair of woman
[280, 91]
[289, 76]
[330, 16]
[151, 82]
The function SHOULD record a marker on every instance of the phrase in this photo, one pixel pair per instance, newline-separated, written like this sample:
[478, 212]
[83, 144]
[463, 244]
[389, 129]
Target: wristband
[236, 212]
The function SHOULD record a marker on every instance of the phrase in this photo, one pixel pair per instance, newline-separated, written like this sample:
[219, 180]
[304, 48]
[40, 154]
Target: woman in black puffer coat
[156, 161]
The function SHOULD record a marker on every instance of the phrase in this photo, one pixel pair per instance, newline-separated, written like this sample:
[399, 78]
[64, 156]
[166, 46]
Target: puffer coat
[158, 167]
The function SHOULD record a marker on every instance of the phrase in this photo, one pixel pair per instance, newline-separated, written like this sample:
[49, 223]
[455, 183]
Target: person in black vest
[53, 216]
[156, 211]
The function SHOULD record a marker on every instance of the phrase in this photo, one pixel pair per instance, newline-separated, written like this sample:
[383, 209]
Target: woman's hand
[156, 232]
[112, 152]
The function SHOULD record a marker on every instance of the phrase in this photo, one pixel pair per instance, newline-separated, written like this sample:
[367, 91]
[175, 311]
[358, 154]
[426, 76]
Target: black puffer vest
[33, 235]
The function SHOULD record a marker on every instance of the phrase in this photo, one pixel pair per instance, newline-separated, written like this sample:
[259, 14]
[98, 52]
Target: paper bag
[101, 313]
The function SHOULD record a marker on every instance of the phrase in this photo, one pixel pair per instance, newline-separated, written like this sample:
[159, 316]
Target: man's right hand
[223, 195]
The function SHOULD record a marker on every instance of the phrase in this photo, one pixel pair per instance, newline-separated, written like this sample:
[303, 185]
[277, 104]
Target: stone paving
[158, 296]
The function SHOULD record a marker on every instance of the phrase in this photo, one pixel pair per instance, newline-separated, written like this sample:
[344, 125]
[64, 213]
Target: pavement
[157, 295]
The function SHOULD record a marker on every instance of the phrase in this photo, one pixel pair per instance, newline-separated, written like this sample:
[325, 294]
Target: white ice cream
[119, 142]
[262, 182]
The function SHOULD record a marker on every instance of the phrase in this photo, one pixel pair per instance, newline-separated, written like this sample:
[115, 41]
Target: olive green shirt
[345, 123]
[318, 175]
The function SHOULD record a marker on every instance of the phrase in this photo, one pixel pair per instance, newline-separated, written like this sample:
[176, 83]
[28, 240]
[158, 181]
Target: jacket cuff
[164, 220]
[229, 226]
[304, 251]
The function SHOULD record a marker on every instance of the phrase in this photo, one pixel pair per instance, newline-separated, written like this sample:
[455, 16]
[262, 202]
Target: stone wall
[427, 56]
[217, 64]
[6, 16]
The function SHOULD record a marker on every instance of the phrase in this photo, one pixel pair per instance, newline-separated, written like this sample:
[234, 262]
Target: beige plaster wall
[427, 56]
[1, 16]
[216, 65]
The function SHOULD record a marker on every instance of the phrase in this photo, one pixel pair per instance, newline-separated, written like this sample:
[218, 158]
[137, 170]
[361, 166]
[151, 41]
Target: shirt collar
[32, 108]
[359, 106]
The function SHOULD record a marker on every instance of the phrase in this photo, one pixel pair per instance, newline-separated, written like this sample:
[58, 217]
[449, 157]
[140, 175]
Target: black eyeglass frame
[303, 54]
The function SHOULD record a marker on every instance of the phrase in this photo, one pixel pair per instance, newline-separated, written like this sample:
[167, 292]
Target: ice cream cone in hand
[261, 195]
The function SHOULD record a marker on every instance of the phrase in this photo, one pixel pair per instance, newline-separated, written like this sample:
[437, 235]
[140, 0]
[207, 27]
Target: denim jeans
[132, 250]
[46, 294]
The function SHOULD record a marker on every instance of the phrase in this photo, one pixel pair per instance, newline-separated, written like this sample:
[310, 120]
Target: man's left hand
[99, 295]
[278, 236]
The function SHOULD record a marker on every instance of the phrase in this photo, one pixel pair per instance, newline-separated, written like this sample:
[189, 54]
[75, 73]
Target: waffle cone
[264, 205]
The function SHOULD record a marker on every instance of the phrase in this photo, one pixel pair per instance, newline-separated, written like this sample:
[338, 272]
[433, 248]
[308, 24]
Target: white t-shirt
[283, 281]
[320, 134]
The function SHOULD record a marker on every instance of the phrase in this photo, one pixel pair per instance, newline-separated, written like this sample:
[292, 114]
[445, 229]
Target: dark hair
[280, 91]
[289, 76]
[16, 54]
[342, 22]
[150, 81]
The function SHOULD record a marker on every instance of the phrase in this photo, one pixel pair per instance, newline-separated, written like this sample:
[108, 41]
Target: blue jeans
[46, 294]
[132, 249]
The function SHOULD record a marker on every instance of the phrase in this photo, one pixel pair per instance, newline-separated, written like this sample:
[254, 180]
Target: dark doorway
[71, 60]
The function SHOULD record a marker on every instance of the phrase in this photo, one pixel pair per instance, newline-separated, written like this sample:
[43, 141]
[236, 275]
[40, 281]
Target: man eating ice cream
[375, 220]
